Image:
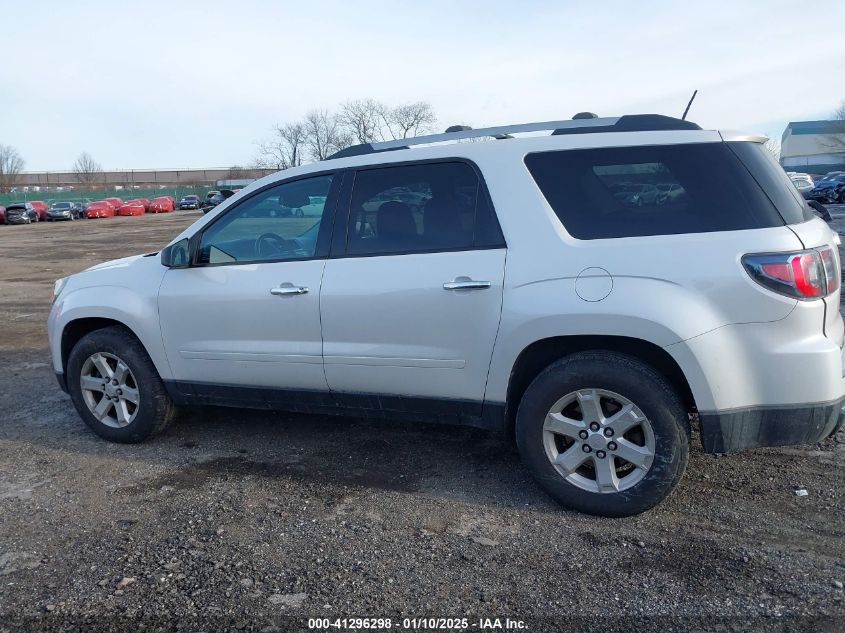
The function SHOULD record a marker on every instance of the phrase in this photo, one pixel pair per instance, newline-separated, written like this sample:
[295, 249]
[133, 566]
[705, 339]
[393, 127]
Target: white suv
[513, 284]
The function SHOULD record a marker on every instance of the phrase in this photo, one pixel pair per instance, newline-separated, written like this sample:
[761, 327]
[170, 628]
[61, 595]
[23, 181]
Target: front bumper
[60, 377]
[17, 220]
[755, 427]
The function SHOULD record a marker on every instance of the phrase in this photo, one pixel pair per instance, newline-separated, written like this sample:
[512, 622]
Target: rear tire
[108, 407]
[557, 421]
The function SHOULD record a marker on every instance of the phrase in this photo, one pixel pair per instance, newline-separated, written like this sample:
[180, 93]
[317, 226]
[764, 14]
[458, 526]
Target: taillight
[806, 274]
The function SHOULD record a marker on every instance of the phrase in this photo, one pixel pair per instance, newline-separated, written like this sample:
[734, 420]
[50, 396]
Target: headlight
[58, 286]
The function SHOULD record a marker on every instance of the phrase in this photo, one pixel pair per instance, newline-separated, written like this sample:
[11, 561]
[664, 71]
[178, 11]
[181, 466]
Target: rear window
[661, 190]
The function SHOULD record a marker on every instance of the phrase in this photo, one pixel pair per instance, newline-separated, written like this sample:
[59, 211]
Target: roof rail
[580, 125]
[634, 123]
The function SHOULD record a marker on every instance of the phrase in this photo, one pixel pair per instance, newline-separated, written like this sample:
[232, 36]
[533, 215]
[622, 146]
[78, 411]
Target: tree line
[322, 132]
[317, 136]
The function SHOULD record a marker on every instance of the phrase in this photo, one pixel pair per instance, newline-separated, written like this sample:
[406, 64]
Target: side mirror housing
[177, 255]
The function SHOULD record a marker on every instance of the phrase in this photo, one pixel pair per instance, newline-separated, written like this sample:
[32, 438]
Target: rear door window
[420, 208]
[652, 190]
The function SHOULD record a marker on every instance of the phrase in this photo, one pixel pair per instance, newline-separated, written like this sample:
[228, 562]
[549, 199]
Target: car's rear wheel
[603, 433]
[115, 387]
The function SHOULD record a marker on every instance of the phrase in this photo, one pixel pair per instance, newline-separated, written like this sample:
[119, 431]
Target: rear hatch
[813, 232]
[699, 211]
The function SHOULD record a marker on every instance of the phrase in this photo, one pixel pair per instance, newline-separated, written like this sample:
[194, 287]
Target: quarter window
[280, 223]
[653, 190]
[420, 208]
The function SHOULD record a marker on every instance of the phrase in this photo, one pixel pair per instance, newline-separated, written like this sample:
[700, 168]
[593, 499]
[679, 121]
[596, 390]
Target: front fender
[139, 314]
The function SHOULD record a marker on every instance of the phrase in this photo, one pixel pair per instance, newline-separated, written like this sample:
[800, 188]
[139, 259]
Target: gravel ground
[240, 520]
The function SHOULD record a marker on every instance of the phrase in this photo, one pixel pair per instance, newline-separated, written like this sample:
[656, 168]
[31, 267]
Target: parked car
[131, 207]
[100, 209]
[64, 210]
[523, 297]
[189, 202]
[668, 193]
[2, 214]
[803, 183]
[114, 202]
[41, 208]
[217, 198]
[162, 204]
[145, 202]
[21, 213]
[830, 189]
[638, 194]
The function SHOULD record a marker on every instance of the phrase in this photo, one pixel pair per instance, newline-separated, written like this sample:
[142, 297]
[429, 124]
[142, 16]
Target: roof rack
[583, 124]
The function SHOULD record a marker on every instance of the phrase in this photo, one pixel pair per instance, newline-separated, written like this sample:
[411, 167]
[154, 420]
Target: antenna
[691, 99]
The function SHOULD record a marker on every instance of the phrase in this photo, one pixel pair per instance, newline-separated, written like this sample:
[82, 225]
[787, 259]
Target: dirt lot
[255, 521]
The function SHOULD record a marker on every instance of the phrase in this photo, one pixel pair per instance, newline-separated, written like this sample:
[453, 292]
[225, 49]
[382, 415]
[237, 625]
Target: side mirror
[176, 255]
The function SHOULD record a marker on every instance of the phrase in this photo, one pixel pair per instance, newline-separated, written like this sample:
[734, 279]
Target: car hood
[123, 262]
[127, 272]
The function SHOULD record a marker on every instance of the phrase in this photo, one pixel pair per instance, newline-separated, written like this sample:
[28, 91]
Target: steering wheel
[280, 245]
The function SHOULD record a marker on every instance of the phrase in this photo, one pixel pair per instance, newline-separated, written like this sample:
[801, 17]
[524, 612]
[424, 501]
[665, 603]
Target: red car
[115, 202]
[2, 214]
[100, 209]
[146, 203]
[131, 207]
[41, 207]
[162, 204]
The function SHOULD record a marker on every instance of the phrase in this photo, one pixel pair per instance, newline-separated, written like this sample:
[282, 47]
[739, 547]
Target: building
[813, 147]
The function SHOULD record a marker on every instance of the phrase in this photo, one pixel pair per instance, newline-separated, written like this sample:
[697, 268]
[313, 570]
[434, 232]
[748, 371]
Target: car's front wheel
[603, 433]
[115, 387]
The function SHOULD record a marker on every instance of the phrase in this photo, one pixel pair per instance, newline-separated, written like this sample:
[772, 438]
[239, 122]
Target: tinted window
[652, 190]
[773, 179]
[279, 223]
[419, 208]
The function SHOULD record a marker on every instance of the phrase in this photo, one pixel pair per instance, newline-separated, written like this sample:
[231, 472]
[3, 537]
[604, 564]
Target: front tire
[603, 433]
[115, 387]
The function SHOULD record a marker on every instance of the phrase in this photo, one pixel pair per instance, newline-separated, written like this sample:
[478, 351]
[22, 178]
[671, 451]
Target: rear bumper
[755, 427]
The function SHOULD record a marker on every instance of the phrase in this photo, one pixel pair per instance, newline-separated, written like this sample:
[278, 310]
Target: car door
[411, 308]
[246, 313]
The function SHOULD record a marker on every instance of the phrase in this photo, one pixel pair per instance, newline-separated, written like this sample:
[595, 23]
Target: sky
[198, 84]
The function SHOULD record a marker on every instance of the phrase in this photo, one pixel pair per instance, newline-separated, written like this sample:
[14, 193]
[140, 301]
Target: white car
[803, 182]
[518, 294]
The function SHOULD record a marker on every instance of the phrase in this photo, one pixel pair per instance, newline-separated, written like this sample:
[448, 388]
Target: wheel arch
[74, 330]
[541, 353]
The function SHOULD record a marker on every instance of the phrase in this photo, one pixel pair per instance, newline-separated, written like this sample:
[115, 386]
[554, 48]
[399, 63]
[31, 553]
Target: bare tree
[284, 149]
[839, 113]
[11, 165]
[411, 119]
[324, 134]
[87, 170]
[364, 119]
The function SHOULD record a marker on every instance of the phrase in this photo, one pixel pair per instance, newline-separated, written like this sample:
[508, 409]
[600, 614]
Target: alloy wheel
[599, 440]
[109, 389]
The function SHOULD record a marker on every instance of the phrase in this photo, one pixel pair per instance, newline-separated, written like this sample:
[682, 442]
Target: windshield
[61, 205]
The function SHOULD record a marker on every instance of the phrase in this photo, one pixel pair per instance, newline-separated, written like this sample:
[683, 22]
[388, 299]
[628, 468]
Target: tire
[154, 409]
[610, 375]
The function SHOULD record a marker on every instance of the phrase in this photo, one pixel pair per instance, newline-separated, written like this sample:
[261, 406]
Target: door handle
[465, 283]
[288, 289]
